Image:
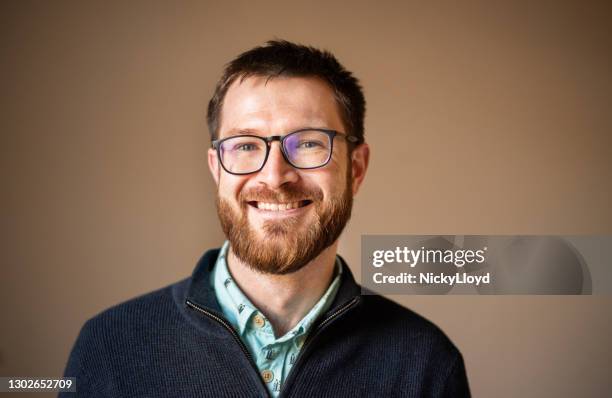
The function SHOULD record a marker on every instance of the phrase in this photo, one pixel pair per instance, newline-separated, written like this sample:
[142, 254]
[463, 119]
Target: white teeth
[277, 206]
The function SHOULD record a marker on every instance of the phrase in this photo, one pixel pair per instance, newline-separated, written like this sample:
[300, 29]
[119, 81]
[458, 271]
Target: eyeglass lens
[303, 149]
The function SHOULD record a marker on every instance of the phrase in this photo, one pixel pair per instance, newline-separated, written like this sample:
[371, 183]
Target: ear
[213, 165]
[359, 164]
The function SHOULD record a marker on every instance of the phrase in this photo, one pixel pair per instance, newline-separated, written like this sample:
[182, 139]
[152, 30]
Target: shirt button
[267, 375]
[259, 321]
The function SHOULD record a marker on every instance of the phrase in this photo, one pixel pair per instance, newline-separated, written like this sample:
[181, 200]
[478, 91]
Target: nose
[277, 171]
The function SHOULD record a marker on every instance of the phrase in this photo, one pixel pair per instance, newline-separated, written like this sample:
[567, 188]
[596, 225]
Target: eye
[310, 144]
[245, 147]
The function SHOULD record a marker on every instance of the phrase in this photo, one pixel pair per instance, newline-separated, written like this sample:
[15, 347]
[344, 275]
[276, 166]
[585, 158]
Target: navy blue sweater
[174, 342]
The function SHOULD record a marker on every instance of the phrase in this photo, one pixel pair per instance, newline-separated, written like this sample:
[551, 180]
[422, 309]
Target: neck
[285, 299]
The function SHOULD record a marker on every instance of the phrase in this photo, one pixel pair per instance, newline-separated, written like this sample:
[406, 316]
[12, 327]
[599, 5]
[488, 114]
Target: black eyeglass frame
[216, 144]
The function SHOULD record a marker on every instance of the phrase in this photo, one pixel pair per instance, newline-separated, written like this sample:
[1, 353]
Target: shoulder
[121, 338]
[414, 344]
[407, 328]
[132, 319]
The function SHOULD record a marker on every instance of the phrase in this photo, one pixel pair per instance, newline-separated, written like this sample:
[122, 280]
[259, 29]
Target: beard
[284, 246]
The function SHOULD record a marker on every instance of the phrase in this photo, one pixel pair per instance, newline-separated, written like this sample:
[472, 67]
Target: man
[275, 311]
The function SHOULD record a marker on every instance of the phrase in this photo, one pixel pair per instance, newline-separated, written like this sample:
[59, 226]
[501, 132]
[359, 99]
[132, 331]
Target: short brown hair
[283, 58]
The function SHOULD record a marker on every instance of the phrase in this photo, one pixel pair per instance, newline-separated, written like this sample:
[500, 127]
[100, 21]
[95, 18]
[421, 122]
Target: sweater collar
[201, 292]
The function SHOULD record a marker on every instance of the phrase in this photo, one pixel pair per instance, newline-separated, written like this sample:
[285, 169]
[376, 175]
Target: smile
[271, 206]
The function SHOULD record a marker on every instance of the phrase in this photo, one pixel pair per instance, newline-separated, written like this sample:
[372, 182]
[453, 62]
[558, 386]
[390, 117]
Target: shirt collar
[200, 291]
[239, 310]
[236, 307]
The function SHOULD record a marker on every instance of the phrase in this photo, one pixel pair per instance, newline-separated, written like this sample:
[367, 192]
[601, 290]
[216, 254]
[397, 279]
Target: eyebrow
[239, 131]
[247, 131]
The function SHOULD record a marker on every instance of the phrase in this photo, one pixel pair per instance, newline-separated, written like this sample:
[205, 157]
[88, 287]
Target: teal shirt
[274, 356]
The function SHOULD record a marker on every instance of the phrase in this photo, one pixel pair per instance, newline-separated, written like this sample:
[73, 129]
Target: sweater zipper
[229, 328]
[311, 336]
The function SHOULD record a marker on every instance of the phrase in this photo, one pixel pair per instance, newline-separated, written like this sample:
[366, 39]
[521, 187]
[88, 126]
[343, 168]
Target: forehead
[278, 105]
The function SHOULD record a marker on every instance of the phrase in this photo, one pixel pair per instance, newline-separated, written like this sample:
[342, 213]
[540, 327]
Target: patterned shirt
[274, 356]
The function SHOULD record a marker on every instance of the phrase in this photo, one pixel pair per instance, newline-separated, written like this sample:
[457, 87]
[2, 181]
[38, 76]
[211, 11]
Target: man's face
[280, 218]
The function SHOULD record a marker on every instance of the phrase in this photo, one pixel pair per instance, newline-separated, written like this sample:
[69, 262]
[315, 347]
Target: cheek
[331, 181]
[339, 172]
[231, 186]
[340, 161]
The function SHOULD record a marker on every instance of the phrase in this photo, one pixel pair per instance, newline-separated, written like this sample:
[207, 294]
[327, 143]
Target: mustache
[289, 193]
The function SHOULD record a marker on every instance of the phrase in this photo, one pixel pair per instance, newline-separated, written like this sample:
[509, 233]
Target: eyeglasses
[303, 149]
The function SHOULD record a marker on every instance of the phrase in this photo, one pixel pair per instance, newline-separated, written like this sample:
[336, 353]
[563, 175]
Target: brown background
[483, 117]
